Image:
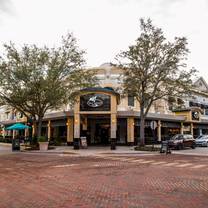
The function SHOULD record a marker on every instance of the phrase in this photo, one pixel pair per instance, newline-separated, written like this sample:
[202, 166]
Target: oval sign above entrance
[95, 102]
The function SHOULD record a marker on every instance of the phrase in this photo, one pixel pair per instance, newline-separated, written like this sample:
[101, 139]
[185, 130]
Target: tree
[154, 69]
[35, 79]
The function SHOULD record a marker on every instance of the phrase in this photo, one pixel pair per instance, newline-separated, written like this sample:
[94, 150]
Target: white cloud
[105, 27]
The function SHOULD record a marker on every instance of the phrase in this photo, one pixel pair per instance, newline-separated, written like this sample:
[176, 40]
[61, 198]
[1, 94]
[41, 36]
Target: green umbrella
[18, 126]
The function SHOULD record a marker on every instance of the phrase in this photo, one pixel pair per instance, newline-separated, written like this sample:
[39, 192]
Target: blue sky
[104, 27]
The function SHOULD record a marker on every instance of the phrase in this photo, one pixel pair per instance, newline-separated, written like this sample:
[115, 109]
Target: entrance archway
[96, 128]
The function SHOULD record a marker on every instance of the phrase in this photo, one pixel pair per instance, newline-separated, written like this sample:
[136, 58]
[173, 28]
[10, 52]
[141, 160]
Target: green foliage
[42, 139]
[58, 141]
[34, 141]
[147, 148]
[34, 79]
[154, 68]
[6, 139]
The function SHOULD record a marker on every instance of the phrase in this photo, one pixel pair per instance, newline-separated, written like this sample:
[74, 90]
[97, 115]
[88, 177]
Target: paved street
[5, 149]
[197, 151]
[66, 180]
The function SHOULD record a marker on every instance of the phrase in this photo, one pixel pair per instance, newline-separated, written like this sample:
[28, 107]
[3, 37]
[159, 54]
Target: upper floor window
[7, 115]
[130, 100]
[205, 111]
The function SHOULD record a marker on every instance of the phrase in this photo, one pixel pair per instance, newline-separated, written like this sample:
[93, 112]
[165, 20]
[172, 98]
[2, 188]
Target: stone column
[76, 130]
[192, 129]
[130, 131]
[77, 126]
[26, 133]
[34, 126]
[200, 132]
[49, 130]
[13, 134]
[113, 131]
[159, 131]
[70, 133]
[4, 132]
[181, 127]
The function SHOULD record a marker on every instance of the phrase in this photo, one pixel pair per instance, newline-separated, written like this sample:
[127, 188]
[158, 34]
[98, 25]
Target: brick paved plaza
[63, 180]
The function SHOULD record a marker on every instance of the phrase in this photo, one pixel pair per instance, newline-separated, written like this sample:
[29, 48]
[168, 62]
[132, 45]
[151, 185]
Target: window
[130, 100]
[7, 115]
[206, 111]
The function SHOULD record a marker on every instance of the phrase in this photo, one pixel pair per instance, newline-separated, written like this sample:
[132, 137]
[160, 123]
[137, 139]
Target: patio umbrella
[18, 126]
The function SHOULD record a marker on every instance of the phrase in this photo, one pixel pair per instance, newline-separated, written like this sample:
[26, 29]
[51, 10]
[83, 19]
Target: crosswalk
[175, 164]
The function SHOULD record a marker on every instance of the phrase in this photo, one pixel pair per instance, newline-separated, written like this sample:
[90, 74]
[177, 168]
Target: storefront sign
[195, 115]
[95, 102]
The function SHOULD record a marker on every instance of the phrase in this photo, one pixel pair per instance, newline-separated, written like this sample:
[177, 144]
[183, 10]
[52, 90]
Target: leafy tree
[154, 69]
[35, 79]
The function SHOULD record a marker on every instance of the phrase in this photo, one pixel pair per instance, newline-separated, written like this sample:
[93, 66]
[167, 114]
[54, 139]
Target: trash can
[165, 148]
[16, 144]
[76, 143]
[113, 143]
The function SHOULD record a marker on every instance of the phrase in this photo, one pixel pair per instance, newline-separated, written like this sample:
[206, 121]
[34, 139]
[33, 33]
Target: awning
[18, 126]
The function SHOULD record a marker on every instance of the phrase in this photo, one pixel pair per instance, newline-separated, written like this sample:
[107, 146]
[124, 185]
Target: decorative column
[113, 122]
[70, 133]
[182, 127]
[76, 130]
[4, 132]
[159, 131]
[13, 134]
[34, 127]
[26, 133]
[130, 131]
[113, 131]
[200, 132]
[76, 139]
[49, 130]
[192, 129]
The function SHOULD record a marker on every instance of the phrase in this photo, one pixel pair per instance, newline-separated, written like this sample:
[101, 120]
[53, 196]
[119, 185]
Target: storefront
[96, 116]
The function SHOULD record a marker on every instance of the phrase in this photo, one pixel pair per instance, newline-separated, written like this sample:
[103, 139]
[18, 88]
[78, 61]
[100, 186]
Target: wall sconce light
[76, 121]
[113, 120]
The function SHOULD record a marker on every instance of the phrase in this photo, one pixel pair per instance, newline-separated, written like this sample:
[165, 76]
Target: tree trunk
[142, 127]
[39, 126]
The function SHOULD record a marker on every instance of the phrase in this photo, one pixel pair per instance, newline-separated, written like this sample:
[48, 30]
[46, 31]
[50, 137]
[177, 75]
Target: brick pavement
[63, 181]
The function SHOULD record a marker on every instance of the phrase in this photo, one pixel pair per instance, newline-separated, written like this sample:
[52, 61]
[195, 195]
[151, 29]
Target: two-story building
[102, 114]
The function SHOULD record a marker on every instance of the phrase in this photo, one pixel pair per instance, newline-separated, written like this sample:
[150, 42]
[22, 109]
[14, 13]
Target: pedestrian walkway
[146, 161]
[101, 150]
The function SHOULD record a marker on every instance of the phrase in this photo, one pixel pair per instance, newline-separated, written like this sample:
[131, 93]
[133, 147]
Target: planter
[43, 146]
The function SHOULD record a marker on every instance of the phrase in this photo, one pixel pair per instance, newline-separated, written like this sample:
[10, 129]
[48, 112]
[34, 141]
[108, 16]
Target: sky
[105, 27]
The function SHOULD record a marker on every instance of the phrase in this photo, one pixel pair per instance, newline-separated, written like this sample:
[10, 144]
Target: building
[102, 114]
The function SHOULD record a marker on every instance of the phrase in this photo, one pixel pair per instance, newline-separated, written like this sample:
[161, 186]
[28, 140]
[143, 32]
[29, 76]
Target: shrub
[42, 139]
[147, 148]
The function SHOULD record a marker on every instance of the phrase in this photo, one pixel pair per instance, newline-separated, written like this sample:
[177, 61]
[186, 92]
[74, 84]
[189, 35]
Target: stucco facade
[117, 117]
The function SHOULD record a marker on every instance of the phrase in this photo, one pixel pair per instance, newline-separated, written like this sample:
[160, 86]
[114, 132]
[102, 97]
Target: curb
[190, 154]
[5, 144]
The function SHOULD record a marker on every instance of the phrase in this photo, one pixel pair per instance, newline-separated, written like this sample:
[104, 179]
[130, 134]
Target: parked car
[181, 141]
[202, 141]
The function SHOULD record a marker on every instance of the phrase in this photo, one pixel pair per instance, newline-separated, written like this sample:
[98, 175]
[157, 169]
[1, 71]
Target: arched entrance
[95, 115]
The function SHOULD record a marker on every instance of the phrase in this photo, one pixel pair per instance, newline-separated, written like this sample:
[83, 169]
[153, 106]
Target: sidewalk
[95, 150]
[5, 144]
